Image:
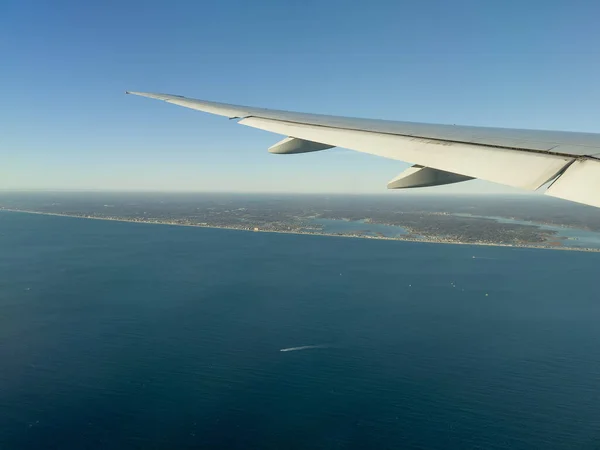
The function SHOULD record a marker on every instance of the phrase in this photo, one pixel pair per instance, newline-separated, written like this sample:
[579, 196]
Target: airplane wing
[441, 154]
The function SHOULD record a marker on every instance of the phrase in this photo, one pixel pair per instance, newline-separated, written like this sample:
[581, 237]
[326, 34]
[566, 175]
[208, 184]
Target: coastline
[400, 239]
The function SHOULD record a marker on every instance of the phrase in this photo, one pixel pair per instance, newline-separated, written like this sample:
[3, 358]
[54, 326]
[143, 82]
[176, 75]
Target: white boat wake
[304, 347]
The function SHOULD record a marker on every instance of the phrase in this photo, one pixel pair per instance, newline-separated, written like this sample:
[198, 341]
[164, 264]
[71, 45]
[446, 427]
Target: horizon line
[383, 193]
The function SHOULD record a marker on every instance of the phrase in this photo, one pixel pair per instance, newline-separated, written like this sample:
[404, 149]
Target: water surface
[123, 335]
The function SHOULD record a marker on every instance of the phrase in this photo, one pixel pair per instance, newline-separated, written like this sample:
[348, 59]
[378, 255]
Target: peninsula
[515, 222]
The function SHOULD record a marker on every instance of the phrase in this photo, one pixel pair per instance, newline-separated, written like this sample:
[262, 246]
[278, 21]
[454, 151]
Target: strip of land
[405, 238]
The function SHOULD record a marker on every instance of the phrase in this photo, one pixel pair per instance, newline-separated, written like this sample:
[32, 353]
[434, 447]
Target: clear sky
[65, 122]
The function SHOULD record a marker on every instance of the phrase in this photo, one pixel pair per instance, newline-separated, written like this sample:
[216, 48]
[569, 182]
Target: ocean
[122, 335]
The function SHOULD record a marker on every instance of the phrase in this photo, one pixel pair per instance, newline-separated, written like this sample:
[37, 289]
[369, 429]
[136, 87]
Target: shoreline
[384, 238]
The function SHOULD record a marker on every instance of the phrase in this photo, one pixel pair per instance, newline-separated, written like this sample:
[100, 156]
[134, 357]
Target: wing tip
[165, 97]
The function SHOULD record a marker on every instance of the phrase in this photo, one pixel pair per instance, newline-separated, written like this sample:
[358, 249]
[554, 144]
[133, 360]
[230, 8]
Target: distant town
[519, 221]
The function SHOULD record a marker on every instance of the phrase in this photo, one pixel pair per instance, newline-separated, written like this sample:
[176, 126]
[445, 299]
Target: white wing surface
[441, 154]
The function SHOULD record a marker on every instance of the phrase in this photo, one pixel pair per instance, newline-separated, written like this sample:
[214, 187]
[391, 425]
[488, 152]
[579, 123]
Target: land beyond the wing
[405, 238]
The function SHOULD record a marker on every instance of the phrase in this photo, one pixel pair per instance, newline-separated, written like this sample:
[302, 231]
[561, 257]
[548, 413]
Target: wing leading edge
[441, 154]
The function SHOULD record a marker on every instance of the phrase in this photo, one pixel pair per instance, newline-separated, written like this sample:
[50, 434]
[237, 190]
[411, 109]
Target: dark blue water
[121, 335]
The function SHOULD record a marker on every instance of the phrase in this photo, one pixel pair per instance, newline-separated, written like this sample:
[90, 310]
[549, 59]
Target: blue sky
[66, 123]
